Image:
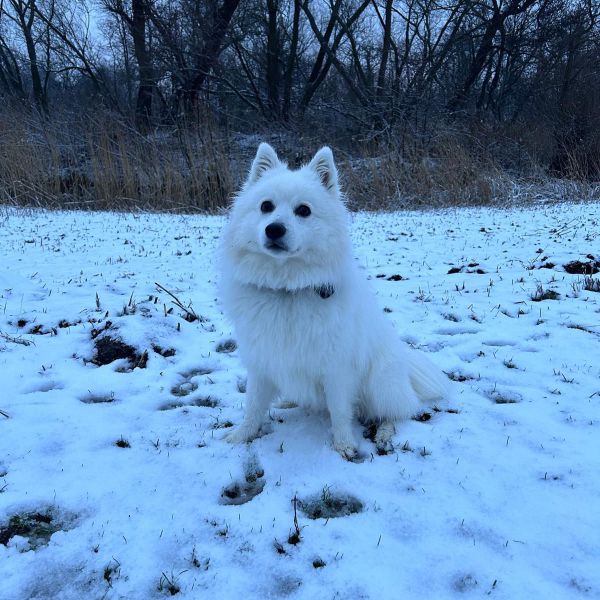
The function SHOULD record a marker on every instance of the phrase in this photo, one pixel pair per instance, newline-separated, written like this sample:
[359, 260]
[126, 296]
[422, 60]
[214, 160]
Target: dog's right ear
[265, 159]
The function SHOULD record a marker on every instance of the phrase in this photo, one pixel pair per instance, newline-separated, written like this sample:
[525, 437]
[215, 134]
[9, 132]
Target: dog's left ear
[324, 165]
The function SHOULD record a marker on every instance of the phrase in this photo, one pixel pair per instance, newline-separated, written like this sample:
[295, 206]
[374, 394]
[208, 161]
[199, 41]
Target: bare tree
[23, 14]
[10, 70]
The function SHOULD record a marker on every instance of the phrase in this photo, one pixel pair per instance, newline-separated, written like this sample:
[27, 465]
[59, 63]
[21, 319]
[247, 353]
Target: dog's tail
[428, 381]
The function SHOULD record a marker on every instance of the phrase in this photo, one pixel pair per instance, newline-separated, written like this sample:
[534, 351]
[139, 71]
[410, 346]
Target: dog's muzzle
[275, 233]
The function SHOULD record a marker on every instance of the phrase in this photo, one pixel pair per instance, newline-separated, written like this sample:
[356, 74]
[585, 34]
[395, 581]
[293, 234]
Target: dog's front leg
[260, 393]
[338, 396]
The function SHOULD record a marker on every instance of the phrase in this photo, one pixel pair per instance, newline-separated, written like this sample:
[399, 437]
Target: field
[116, 393]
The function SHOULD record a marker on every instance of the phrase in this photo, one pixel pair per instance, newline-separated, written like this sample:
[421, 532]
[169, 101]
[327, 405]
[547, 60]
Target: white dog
[307, 326]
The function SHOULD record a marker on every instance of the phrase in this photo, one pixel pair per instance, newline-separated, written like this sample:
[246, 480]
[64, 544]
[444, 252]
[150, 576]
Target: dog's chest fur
[295, 334]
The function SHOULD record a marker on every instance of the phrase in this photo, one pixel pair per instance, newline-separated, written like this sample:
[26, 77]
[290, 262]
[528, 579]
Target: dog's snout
[275, 231]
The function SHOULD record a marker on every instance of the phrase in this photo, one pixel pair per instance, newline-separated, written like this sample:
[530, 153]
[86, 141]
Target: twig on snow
[15, 340]
[190, 313]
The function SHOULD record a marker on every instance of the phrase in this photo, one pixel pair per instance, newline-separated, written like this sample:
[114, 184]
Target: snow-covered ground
[496, 492]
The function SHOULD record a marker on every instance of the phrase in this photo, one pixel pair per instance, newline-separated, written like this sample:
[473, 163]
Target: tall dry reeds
[103, 162]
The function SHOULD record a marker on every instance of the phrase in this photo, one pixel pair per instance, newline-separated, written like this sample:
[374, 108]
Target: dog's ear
[324, 165]
[265, 159]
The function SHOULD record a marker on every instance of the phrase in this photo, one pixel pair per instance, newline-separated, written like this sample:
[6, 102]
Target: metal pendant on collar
[325, 291]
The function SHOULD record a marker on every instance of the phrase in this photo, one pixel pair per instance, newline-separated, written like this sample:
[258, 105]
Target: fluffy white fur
[338, 352]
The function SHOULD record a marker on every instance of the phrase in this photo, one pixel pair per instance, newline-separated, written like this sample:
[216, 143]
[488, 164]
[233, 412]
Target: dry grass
[451, 170]
[102, 162]
[446, 173]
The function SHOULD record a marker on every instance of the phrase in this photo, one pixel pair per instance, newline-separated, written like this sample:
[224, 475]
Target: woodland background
[153, 104]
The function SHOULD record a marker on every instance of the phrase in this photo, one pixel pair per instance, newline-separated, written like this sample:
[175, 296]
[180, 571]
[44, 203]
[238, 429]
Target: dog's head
[288, 229]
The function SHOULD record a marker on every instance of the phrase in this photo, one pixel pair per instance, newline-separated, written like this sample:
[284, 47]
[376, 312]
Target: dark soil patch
[451, 317]
[109, 349]
[39, 330]
[240, 492]
[279, 547]
[96, 331]
[328, 505]
[197, 372]
[205, 402]
[422, 418]
[504, 397]
[577, 267]
[184, 389]
[396, 278]
[294, 538]
[460, 377]
[37, 527]
[166, 352]
[122, 443]
[542, 294]
[318, 563]
[63, 323]
[451, 411]
[168, 585]
[98, 399]
[468, 269]
[227, 346]
[111, 572]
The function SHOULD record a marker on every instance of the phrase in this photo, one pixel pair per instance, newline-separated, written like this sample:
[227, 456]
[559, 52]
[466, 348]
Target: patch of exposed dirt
[577, 267]
[109, 349]
[37, 527]
[330, 505]
[240, 492]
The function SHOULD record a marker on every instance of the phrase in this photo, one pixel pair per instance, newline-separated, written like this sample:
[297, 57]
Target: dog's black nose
[275, 231]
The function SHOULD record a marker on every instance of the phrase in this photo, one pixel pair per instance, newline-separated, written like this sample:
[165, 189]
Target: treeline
[510, 84]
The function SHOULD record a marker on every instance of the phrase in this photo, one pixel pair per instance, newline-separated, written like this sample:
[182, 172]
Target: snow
[497, 493]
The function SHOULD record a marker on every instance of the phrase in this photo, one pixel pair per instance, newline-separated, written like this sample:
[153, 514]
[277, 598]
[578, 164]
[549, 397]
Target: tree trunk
[272, 57]
[210, 51]
[291, 62]
[26, 15]
[486, 47]
[385, 49]
[143, 105]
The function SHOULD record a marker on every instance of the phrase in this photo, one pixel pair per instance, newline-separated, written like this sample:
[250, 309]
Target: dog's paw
[381, 435]
[241, 434]
[347, 451]
[384, 447]
[383, 438]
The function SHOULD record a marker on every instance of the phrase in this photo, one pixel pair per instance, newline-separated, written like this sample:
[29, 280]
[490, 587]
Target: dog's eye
[302, 211]
[267, 206]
